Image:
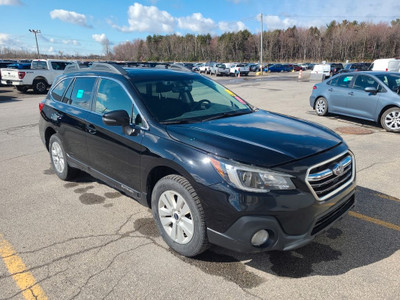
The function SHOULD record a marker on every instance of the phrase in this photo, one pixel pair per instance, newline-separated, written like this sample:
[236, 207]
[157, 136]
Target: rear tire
[390, 119]
[58, 159]
[40, 86]
[321, 106]
[179, 215]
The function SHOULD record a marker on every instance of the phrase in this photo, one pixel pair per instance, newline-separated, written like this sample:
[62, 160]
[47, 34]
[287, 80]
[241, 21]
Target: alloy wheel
[176, 217]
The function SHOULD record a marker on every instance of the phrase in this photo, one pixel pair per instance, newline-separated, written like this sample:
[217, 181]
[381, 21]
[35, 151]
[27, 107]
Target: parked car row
[223, 69]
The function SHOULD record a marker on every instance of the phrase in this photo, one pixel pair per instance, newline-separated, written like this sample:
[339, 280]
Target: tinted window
[42, 65]
[363, 81]
[343, 81]
[391, 81]
[59, 65]
[80, 93]
[334, 81]
[58, 91]
[111, 96]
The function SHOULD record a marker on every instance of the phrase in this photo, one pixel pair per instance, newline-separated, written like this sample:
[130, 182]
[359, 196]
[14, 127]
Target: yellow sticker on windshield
[230, 93]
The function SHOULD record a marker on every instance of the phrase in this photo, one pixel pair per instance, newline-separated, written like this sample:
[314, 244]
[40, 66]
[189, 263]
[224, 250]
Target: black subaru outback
[213, 168]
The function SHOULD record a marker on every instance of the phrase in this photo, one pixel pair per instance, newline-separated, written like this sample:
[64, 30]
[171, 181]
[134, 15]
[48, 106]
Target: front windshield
[392, 81]
[189, 99]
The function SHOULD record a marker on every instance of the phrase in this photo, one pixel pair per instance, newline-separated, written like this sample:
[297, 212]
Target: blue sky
[80, 27]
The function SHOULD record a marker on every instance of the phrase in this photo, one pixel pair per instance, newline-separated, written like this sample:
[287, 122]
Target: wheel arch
[155, 174]
[47, 135]
[385, 109]
[41, 78]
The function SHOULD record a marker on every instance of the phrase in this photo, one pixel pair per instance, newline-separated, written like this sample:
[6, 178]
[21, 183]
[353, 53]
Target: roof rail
[74, 67]
[96, 66]
[108, 67]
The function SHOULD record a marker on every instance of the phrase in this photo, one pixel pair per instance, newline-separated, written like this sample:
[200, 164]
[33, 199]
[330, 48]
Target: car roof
[137, 74]
[371, 73]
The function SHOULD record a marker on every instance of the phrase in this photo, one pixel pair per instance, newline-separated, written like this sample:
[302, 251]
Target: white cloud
[4, 38]
[275, 22]
[100, 38]
[10, 2]
[71, 42]
[69, 17]
[197, 23]
[147, 19]
[231, 27]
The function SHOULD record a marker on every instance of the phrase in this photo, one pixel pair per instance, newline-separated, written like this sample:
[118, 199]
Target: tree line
[336, 41]
[343, 41]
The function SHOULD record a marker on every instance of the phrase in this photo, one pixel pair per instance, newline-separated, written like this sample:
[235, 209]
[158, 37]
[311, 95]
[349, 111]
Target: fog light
[260, 237]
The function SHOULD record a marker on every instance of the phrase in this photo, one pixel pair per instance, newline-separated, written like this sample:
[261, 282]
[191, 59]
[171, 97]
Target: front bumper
[238, 236]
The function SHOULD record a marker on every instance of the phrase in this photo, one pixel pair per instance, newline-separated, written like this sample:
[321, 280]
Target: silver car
[373, 96]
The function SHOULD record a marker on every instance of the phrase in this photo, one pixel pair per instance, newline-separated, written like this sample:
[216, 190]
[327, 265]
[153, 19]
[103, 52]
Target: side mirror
[371, 90]
[116, 118]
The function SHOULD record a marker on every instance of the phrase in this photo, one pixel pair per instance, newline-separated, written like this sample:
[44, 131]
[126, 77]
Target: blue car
[373, 96]
[280, 68]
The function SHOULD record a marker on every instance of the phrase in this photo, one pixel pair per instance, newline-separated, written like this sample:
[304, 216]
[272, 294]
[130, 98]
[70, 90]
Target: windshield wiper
[226, 115]
[182, 121]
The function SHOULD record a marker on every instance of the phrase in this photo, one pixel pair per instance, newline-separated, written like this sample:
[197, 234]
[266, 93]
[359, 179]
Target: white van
[386, 64]
[324, 69]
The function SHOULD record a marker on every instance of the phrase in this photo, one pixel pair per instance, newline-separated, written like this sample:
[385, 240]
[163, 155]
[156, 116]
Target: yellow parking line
[22, 277]
[387, 197]
[375, 221]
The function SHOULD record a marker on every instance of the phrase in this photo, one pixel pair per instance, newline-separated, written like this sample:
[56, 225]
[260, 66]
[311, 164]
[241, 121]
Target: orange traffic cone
[239, 72]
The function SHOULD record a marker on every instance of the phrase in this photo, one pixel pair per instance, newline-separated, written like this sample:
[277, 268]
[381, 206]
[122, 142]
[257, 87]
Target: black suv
[335, 68]
[213, 168]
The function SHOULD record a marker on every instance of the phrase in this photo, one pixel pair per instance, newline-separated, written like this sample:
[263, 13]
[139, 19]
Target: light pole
[261, 52]
[35, 32]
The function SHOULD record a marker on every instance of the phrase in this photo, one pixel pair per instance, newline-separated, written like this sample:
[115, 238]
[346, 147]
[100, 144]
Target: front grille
[330, 177]
[327, 219]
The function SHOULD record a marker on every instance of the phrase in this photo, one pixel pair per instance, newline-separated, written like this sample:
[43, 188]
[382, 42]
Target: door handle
[351, 93]
[91, 129]
[331, 89]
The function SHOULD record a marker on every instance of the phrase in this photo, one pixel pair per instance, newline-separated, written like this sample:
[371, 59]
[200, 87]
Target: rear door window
[58, 91]
[80, 92]
[344, 81]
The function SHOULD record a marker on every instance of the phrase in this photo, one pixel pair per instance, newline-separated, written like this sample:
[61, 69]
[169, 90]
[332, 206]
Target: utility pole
[35, 32]
[261, 52]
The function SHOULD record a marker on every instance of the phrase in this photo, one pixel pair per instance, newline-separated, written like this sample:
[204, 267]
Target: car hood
[260, 138]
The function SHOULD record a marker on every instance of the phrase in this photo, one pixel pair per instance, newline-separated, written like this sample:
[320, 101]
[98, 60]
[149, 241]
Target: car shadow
[351, 243]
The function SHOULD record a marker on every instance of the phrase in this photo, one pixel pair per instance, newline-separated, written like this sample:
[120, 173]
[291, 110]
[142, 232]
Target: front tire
[321, 106]
[59, 159]
[179, 215]
[390, 119]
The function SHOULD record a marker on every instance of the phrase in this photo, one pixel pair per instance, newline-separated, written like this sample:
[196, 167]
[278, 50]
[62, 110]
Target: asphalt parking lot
[85, 240]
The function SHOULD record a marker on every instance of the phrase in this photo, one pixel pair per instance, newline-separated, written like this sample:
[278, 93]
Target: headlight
[250, 178]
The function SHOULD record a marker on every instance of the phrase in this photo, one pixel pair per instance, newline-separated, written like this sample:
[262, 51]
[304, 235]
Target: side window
[58, 91]
[344, 81]
[59, 65]
[334, 81]
[363, 81]
[80, 93]
[112, 96]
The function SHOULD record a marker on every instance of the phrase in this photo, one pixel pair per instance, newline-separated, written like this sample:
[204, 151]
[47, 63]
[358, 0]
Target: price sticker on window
[79, 94]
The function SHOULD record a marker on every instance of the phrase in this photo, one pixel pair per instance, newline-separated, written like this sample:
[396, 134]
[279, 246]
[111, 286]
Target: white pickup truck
[38, 78]
[236, 69]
